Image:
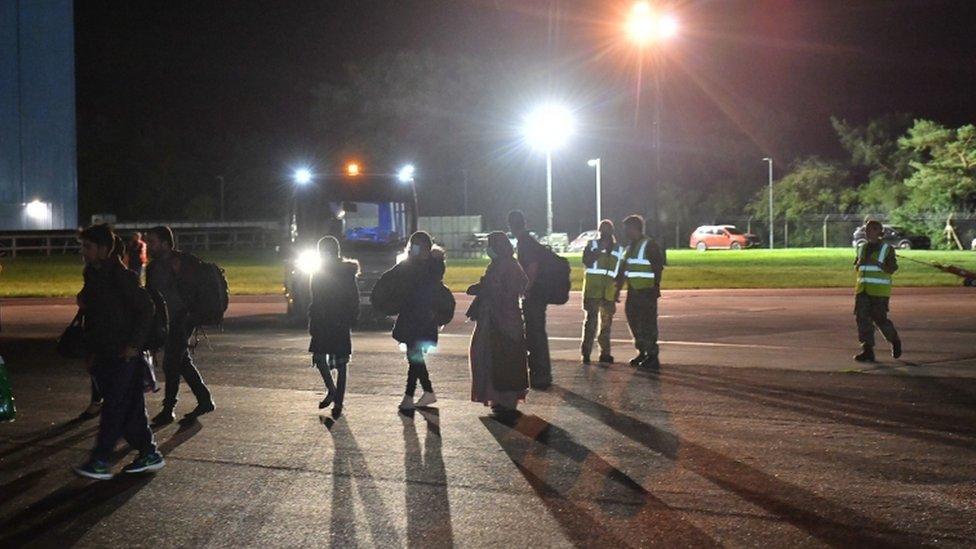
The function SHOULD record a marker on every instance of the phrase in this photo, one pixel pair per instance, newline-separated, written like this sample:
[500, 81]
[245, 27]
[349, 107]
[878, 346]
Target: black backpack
[159, 330]
[444, 305]
[211, 294]
[555, 276]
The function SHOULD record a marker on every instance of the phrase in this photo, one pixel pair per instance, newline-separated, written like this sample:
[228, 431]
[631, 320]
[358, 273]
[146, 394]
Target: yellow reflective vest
[871, 279]
[600, 279]
[637, 266]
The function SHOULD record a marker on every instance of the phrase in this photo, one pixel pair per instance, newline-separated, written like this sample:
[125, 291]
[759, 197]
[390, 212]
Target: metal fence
[826, 230]
[260, 235]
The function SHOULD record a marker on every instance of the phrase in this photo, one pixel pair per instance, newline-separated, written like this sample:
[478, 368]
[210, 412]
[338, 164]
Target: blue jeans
[124, 408]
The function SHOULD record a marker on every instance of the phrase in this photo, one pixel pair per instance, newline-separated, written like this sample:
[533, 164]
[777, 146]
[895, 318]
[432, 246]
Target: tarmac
[758, 431]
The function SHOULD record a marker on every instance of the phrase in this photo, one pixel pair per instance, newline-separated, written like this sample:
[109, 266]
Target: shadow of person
[427, 502]
[594, 503]
[20, 485]
[46, 434]
[349, 466]
[829, 521]
[62, 517]
[38, 449]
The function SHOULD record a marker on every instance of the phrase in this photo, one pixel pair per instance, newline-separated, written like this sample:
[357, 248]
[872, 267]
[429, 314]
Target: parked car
[708, 237]
[895, 236]
[579, 243]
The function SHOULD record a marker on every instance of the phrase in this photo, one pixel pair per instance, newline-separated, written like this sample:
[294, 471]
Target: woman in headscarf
[499, 370]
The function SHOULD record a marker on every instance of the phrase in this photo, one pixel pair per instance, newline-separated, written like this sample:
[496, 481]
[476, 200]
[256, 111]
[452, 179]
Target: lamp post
[595, 163]
[770, 161]
[547, 128]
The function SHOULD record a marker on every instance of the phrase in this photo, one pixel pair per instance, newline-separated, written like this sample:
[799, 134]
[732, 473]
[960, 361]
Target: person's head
[873, 230]
[97, 242]
[499, 246]
[634, 227]
[606, 228]
[136, 236]
[328, 247]
[420, 245]
[516, 221]
[159, 241]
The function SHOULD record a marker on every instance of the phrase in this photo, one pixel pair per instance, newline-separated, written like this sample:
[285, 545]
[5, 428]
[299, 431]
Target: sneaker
[426, 399]
[148, 463]
[867, 355]
[896, 348]
[407, 403]
[606, 359]
[164, 417]
[325, 401]
[201, 409]
[95, 469]
[92, 410]
[650, 363]
[636, 361]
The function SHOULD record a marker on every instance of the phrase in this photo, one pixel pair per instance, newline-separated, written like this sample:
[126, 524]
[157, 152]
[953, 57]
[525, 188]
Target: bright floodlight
[302, 176]
[352, 168]
[36, 209]
[592, 162]
[405, 175]
[309, 261]
[645, 26]
[548, 127]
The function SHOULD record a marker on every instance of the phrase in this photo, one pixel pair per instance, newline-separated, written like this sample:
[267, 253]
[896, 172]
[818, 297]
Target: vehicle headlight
[309, 262]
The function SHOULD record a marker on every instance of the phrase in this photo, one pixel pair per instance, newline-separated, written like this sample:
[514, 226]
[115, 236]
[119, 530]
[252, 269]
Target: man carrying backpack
[532, 257]
[176, 276]
[118, 317]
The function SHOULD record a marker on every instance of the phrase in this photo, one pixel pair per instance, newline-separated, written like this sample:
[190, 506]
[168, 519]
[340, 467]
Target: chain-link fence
[827, 230]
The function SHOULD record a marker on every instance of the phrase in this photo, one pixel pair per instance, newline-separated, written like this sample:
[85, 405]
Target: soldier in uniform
[643, 264]
[875, 264]
[601, 260]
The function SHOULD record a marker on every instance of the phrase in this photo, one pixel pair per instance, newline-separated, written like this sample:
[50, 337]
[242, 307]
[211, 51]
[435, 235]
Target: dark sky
[774, 69]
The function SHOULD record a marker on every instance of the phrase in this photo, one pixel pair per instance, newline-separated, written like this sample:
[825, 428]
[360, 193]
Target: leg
[650, 327]
[411, 374]
[192, 376]
[591, 309]
[631, 311]
[341, 363]
[537, 343]
[865, 325]
[323, 366]
[419, 366]
[114, 379]
[137, 432]
[172, 364]
[879, 316]
[607, 310]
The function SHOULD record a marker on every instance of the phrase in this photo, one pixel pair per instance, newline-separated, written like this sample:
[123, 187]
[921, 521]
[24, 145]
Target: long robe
[499, 369]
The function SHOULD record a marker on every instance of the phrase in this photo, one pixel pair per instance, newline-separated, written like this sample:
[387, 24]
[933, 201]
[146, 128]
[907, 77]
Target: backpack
[444, 305]
[211, 294]
[555, 278]
[159, 330]
[387, 295]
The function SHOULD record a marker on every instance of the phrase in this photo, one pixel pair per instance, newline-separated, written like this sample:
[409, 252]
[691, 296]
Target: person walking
[118, 317]
[135, 255]
[333, 311]
[875, 263]
[531, 256]
[173, 274]
[601, 260]
[643, 264]
[414, 282]
[499, 368]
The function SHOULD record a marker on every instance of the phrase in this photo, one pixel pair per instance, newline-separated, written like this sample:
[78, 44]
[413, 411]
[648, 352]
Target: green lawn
[798, 268]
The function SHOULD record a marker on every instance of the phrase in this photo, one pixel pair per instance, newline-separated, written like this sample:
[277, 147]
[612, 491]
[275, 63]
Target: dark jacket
[185, 268]
[334, 308]
[421, 278]
[118, 312]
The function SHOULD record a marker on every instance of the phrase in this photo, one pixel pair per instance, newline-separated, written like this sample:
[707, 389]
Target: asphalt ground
[758, 431]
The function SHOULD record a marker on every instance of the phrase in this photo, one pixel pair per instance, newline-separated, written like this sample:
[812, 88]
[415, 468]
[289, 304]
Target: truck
[372, 216]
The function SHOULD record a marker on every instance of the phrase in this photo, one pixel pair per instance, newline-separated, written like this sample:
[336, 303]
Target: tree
[880, 164]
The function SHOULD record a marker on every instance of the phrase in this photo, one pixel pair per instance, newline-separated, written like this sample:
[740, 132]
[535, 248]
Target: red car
[709, 237]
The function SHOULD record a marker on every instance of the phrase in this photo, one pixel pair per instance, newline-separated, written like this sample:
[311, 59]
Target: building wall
[38, 158]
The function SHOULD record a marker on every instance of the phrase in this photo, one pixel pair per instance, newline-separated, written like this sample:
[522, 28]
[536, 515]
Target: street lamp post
[595, 163]
[546, 129]
[770, 161]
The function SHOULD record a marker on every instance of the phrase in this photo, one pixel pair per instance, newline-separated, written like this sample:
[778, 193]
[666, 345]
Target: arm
[143, 309]
[890, 264]
[590, 255]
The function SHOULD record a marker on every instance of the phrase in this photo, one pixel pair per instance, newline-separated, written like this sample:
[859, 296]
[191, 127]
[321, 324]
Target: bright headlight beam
[548, 127]
[309, 262]
[36, 209]
[405, 175]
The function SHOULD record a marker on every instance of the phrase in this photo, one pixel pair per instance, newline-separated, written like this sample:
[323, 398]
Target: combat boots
[866, 354]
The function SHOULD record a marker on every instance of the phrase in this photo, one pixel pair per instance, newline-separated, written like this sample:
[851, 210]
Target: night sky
[774, 71]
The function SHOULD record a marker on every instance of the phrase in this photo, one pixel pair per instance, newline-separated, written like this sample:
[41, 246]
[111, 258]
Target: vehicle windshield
[367, 223]
[733, 230]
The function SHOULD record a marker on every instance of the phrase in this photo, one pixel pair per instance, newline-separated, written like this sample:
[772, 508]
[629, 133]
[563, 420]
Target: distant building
[38, 158]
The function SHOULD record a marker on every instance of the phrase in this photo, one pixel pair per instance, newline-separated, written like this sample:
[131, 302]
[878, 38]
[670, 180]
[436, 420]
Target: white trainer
[407, 403]
[426, 399]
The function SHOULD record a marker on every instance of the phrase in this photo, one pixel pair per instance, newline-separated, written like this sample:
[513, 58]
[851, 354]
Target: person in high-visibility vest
[601, 261]
[641, 269]
[875, 264]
